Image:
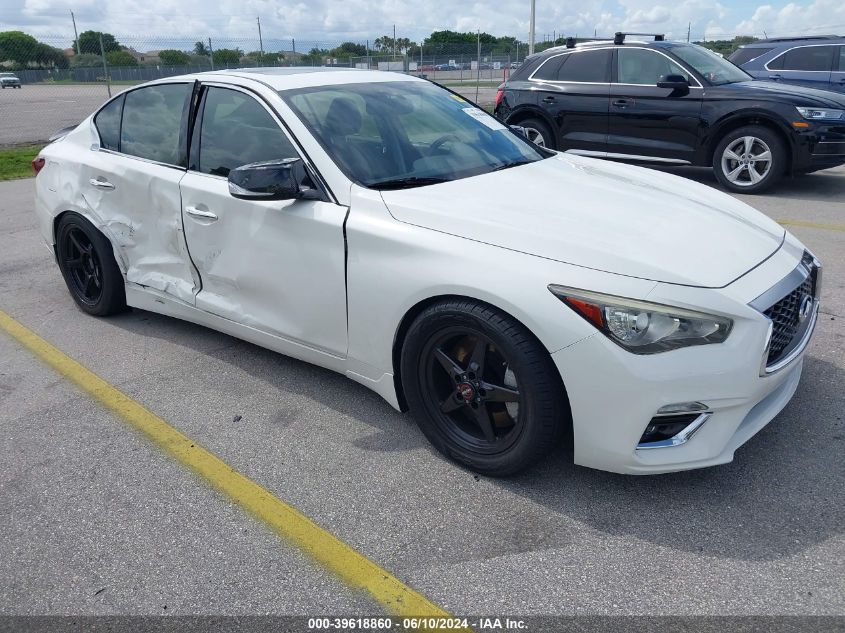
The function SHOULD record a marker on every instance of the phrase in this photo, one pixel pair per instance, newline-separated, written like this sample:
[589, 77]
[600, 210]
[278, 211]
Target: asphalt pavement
[97, 520]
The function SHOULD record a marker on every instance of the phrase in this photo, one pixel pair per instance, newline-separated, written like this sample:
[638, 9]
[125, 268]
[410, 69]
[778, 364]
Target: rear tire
[86, 260]
[539, 132]
[482, 388]
[750, 159]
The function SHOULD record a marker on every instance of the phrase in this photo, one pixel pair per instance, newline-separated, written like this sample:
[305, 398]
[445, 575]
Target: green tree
[89, 42]
[170, 57]
[120, 58]
[315, 57]
[348, 49]
[25, 51]
[227, 56]
[200, 49]
[86, 60]
[17, 47]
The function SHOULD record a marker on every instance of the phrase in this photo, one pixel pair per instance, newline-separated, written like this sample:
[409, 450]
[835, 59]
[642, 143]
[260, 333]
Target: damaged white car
[381, 226]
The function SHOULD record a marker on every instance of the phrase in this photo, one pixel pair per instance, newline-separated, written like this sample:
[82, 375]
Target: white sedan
[384, 227]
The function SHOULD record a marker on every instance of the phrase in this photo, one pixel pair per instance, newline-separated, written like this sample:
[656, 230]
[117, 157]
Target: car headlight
[642, 327]
[821, 114]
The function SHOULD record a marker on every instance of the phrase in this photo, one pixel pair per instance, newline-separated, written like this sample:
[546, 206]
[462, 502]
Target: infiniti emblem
[806, 308]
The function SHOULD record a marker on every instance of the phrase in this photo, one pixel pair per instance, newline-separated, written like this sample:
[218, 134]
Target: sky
[332, 21]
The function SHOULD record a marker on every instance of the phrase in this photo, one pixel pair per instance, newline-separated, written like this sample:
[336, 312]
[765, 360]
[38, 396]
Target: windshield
[401, 134]
[712, 66]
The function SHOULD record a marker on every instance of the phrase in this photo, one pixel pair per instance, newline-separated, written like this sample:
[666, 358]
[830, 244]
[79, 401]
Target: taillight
[37, 164]
[499, 94]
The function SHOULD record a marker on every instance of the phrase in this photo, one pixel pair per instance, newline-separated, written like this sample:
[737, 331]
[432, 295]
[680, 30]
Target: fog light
[682, 407]
[664, 431]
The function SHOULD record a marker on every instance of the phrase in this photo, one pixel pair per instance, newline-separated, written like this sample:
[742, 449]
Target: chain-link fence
[62, 80]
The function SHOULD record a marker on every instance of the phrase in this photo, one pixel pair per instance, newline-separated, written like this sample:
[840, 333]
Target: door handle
[101, 184]
[776, 77]
[549, 99]
[200, 213]
[621, 103]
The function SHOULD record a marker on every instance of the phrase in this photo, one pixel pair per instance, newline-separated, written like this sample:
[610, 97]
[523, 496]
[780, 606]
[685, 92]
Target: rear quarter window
[745, 55]
[107, 123]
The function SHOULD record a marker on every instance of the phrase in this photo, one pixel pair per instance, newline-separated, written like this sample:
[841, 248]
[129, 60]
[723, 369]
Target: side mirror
[518, 129]
[284, 179]
[674, 82]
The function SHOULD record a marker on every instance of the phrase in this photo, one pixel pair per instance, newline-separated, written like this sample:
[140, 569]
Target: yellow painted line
[353, 568]
[813, 225]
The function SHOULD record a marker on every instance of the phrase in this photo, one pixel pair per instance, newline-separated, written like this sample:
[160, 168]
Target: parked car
[815, 62]
[447, 67]
[9, 80]
[383, 227]
[674, 103]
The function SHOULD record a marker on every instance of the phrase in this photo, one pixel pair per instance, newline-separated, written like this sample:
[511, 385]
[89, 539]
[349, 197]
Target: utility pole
[293, 49]
[689, 28]
[75, 34]
[531, 28]
[478, 65]
[260, 41]
[105, 68]
[394, 41]
[210, 53]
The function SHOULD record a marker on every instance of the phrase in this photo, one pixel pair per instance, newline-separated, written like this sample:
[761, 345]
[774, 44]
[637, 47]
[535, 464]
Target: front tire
[750, 159]
[481, 387]
[87, 263]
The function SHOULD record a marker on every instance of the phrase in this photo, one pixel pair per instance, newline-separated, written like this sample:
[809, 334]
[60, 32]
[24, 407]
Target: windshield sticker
[458, 99]
[482, 117]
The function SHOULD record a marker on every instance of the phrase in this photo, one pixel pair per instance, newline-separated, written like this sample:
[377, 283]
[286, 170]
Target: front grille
[786, 319]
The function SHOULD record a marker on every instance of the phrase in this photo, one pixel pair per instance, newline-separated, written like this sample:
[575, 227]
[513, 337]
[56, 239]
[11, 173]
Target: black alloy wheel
[83, 266]
[481, 387]
[86, 259]
[475, 390]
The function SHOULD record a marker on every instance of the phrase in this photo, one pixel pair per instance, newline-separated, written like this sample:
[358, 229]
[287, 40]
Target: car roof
[789, 41]
[303, 76]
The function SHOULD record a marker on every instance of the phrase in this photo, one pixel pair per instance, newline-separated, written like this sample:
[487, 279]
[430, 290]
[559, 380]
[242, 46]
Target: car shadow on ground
[823, 185]
[784, 492]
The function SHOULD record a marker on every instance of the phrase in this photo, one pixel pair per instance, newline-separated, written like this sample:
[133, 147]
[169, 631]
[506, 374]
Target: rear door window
[805, 58]
[586, 67]
[152, 122]
[107, 123]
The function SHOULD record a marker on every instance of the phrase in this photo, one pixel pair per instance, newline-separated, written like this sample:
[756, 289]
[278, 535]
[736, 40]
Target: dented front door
[277, 266]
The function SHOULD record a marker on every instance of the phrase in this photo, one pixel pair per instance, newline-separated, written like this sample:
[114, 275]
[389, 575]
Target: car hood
[790, 93]
[601, 215]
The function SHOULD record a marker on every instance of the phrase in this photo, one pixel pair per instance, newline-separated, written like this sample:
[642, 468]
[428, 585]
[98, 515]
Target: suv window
[152, 122]
[805, 58]
[745, 55]
[107, 123]
[237, 130]
[579, 67]
[842, 59]
[644, 67]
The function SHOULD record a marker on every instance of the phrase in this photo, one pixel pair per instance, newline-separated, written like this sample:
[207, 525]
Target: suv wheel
[539, 133]
[483, 390]
[750, 159]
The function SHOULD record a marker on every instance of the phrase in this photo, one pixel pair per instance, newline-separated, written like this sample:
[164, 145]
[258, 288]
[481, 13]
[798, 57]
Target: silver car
[9, 80]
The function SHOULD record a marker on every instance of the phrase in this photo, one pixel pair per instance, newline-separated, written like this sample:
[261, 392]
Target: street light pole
[531, 28]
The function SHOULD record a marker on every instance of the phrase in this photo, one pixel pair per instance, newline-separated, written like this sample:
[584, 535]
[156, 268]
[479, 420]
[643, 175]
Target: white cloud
[331, 21]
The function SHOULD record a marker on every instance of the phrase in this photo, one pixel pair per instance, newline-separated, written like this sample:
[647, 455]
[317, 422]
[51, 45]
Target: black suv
[673, 103]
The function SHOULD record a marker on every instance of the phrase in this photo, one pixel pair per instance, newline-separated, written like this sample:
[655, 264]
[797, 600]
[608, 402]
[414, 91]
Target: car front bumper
[614, 394]
[821, 146]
